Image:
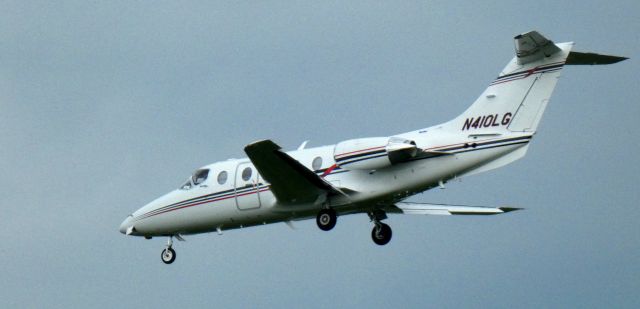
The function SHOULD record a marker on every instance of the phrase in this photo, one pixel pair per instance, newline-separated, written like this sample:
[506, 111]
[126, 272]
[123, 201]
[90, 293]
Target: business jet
[373, 175]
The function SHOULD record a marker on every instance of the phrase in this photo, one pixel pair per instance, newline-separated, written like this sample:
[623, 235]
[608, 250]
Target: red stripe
[517, 76]
[329, 170]
[210, 201]
[363, 150]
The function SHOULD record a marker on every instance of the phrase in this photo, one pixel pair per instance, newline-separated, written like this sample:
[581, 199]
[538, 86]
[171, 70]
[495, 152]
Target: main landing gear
[168, 254]
[327, 219]
[381, 233]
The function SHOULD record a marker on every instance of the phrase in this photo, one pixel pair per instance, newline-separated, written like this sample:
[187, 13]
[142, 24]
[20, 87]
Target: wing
[291, 182]
[446, 210]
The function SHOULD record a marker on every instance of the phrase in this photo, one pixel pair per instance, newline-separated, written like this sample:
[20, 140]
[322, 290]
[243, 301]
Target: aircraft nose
[125, 225]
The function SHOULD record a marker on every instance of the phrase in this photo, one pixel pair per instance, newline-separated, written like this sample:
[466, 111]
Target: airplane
[373, 175]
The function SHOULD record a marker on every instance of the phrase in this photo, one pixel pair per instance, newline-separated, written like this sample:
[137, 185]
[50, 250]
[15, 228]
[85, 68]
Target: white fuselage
[369, 175]
[236, 202]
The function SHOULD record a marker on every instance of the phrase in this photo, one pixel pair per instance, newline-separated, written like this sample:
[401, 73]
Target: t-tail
[515, 101]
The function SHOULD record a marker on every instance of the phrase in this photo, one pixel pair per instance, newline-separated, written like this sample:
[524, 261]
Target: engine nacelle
[373, 152]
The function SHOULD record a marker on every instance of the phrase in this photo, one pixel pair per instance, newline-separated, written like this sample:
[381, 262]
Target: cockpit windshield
[200, 176]
[187, 185]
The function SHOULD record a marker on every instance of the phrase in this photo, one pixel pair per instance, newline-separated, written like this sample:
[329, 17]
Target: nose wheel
[326, 219]
[168, 254]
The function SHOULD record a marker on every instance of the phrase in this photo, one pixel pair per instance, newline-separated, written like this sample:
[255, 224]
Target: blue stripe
[523, 74]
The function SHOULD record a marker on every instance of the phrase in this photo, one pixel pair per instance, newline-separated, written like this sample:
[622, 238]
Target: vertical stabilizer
[517, 98]
[513, 104]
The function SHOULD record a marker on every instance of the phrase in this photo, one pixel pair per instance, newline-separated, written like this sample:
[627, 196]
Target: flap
[446, 210]
[291, 182]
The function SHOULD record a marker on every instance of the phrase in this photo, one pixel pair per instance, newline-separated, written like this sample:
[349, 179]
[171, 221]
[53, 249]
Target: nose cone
[126, 225]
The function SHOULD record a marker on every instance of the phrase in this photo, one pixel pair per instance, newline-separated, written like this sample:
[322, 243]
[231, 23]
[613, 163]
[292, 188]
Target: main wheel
[381, 234]
[326, 219]
[168, 255]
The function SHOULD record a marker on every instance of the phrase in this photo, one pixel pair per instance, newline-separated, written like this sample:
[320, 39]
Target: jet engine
[373, 152]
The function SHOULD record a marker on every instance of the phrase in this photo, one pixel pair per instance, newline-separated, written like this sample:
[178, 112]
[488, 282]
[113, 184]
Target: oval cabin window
[246, 174]
[222, 177]
[317, 163]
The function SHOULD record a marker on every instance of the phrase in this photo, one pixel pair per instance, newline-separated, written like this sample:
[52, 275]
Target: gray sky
[105, 106]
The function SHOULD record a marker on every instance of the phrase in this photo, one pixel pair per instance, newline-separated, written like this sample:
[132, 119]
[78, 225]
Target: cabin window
[200, 176]
[246, 174]
[317, 163]
[222, 177]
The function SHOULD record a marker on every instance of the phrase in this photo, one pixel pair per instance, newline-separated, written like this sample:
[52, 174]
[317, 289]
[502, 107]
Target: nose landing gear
[168, 254]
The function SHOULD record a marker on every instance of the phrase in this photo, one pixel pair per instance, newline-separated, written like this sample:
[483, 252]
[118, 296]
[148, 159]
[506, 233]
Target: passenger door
[246, 186]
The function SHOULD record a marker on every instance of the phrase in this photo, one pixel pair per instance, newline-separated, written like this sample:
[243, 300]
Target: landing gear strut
[168, 254]
[326, 219]
[381, 233]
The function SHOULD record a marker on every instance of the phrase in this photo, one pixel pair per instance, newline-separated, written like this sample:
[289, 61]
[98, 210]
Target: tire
[326, 219]
[168, 255]
[382, 236]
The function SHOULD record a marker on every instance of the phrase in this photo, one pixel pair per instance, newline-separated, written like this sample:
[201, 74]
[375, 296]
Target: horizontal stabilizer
[532, 46]
[446, 210]
[291, 182]
[577, 58]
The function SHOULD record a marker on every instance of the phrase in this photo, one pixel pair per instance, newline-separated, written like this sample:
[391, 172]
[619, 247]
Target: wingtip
[267, 143]
[618, 59]
[510, 209]
[261, 141]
